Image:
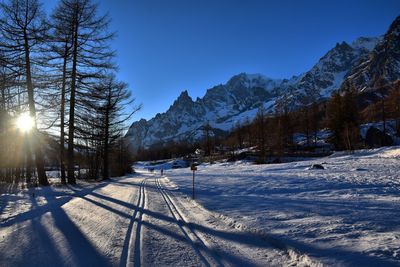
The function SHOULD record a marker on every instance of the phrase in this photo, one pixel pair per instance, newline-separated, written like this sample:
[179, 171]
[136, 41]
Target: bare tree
[22, 30]
[261, 128]
[90, 57]
[60, 47]
[112, 101]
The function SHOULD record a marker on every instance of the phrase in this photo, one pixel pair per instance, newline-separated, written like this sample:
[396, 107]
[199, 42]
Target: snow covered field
[286, 214]
[347, 214]
[139, 220]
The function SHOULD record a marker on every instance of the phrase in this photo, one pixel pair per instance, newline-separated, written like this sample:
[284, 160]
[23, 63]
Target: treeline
[272, 134]
[342, 114]
[166, 151]
[60, 69]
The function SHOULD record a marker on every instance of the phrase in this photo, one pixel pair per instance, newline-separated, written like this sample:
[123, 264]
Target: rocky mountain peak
[183, 100]
[382, 62]
[184, 97]
[394, 28]
[365, 43]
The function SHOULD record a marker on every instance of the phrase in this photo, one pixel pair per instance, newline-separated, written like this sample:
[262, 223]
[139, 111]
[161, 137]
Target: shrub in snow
[317, 167]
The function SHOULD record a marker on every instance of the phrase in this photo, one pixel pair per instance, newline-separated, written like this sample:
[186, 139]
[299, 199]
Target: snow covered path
[131, 221]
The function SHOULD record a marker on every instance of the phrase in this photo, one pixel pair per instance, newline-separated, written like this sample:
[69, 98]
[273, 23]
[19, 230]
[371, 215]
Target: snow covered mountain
[239, 99]
[382, 62]
[185, 118]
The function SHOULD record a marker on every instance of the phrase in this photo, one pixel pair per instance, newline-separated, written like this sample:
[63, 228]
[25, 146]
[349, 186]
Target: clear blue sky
[167, 46]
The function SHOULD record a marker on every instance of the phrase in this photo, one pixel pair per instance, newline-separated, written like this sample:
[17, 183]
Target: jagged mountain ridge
[226, 104]
[185, 117]
[382, 62]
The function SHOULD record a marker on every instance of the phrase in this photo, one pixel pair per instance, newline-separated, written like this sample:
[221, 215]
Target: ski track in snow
[131, 221]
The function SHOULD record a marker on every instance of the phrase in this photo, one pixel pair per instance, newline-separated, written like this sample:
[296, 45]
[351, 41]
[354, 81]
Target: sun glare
[25, 122]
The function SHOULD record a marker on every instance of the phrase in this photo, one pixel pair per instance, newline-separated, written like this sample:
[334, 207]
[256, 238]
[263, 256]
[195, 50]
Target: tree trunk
[32, 110]
[62, 112]
[71, 176]
[105, 156]
[106, 137]
[383, 115]
[307, 124]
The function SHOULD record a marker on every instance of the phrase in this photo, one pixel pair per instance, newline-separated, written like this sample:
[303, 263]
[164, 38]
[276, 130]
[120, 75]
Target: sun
[25, 122]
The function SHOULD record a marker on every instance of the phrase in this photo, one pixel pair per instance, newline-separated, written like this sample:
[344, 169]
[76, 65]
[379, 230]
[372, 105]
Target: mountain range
[359, 64]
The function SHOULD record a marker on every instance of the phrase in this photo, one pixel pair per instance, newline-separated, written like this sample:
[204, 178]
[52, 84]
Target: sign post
[193, 168]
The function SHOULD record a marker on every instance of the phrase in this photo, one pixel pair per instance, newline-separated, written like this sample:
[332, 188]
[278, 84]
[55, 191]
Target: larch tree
[60, 46]
[90, 57]
[335, 118]
[207, 132]
[394, 101]
[381, 87]
[23, 30]
[261, 129]
[113, 102]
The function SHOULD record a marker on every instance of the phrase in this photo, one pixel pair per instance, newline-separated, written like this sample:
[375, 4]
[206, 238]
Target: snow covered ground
[345, 215]
[140, 220]
[244, 215]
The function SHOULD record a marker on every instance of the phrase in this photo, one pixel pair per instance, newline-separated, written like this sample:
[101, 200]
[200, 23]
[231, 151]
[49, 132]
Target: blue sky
[167, 46]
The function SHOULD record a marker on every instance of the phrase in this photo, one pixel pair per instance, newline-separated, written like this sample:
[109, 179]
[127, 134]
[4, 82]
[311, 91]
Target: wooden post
[194, 169]
[193, 186]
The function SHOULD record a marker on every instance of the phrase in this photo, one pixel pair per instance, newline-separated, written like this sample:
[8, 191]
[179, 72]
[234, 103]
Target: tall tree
[343, 118]
[315, 121]
[239, 132]
[261, 128]
[207, 132]
[394, 101]
[90, 57]
[60, 48]
[113, 102]
[351, 119]
[335, 118]
[284, 127]
[23, 29]
[381, 89]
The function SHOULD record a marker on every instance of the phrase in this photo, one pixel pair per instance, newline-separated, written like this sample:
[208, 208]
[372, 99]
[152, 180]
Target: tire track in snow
[198, 244]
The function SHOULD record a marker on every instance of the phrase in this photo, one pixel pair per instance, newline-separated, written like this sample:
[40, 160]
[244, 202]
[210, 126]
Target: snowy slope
[345, 215]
